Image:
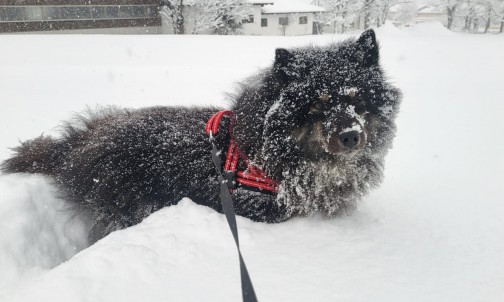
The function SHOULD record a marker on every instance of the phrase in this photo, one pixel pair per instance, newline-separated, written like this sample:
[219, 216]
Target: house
[281, 18]
[424, 14]
[428, 13]
[80, 16]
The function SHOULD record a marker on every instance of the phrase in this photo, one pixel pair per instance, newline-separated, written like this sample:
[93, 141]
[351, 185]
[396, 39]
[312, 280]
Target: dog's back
[124, 164]
[39, 155]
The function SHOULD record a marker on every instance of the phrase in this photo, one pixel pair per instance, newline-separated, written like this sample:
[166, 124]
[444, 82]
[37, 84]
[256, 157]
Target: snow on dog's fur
[320, 121]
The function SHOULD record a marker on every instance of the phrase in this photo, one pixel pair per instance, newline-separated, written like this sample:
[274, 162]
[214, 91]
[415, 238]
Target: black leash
[248, 292]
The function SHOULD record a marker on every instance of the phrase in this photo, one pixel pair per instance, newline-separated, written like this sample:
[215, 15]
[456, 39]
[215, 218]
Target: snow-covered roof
[429, 9]
[290, 6]
[398, 7]
[259, 2]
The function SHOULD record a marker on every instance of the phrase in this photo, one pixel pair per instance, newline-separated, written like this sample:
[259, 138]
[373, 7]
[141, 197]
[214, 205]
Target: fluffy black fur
[320, 121]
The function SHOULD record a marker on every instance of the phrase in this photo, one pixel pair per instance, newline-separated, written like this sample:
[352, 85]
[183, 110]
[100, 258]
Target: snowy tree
[343, 14]
[217, 16]
[451, 8]
[497, 10]
[348, 10]
[339, 14]
[376, 11]
[383, 7]
[476, 11]
[369, 11]
[485, 12]
[461, 10]
[173, 11]
[220, 16]
[402, 11]
[473, 13]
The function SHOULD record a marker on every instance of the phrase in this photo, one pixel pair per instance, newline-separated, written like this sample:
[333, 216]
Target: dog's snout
[346, 142]
[349, 139]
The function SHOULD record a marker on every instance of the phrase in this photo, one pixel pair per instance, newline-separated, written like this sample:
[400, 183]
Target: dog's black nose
[349, 139]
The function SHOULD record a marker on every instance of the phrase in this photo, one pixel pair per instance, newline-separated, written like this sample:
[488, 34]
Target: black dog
[319, 122]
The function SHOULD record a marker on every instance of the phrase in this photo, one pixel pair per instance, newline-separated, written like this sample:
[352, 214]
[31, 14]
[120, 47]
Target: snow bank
[36, 231]
[177, 254]
[389, 29]
[429, 28]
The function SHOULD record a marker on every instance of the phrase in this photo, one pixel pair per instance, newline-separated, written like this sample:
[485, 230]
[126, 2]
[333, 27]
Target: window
[138, 11]
[112, 11]
[283, 21]
[12, 13]
[264, 22]
[303, 20]
[69, 13]
[83, 13]
[34, 13]
[98, 12]
[124, 11]
[250, 19]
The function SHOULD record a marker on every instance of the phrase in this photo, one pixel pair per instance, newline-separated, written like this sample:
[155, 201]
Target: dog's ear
[283, 64]
[368, 45]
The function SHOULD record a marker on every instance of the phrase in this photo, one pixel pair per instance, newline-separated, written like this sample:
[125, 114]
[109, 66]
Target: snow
[356, 126]
[258, 2]
[36, 231]
[432, 232]
[430, 9]
[429, 28]
[290, 6]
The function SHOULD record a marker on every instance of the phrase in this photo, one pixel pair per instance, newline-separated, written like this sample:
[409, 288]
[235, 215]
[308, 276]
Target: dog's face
[335, 124]
[335, 96]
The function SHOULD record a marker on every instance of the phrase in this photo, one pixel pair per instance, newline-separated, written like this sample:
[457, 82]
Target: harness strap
[214, 121]
[252, 178]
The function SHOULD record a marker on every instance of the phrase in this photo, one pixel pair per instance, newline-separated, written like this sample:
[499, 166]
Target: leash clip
[230, 178]
[211, 138]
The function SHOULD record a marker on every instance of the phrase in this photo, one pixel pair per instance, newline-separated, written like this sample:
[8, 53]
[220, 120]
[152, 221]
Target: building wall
[80, 15]
[429, 17]
[275, 29]
[143, 30]
[253, 28]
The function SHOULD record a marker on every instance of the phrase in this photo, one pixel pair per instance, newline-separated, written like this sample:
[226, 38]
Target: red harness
[252, 177]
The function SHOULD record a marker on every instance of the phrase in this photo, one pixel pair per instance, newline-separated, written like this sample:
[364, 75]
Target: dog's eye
[318, 107]
[321, 104]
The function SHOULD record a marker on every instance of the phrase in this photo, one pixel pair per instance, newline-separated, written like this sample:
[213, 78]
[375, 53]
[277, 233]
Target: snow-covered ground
[433, 232]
